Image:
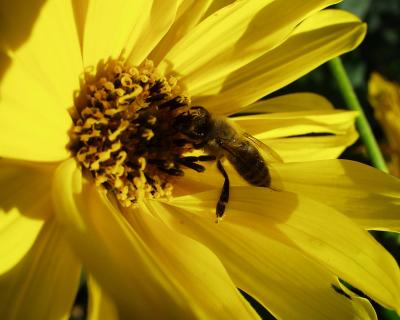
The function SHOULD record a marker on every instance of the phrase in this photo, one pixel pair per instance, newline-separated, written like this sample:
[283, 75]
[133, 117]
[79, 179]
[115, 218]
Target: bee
[219, 139]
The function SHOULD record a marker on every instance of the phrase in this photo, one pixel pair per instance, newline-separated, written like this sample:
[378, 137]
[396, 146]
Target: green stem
[365, 132]
[364, 129]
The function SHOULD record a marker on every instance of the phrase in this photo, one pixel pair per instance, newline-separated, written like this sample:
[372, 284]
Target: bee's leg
[207, 158]
[190, 162]
[224, 197]
[172, 172]
[173, 104]
[199, 158]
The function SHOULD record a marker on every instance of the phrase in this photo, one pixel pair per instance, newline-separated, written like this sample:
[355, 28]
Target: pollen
[124, 133]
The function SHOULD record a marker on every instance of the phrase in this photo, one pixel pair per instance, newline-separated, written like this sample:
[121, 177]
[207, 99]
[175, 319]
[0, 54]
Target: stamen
[148, 134]
[124, 133]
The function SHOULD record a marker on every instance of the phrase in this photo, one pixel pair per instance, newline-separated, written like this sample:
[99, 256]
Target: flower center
[125, 132]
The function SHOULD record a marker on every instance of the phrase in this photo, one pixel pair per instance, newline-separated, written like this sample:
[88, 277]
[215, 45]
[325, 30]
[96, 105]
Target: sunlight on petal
[215, 296]
[278, 125]
[151, 29]
[248, 32]
[313, 148]
[24, 205]
[215, 6]
[292, 102]
[109, 210]
[107, 243]
[55, 67]
[34, 122]
[262, 261]
[327, 34]
[50, 271]
[366, 195]
[108, 29]
[316, 229]
[100, 305]
[188, 15]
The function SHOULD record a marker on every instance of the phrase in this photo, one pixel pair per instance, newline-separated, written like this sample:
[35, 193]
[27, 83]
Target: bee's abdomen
[249, 163]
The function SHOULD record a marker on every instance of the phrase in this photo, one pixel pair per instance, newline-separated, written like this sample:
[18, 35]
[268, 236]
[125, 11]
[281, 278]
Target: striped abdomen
[248, 162]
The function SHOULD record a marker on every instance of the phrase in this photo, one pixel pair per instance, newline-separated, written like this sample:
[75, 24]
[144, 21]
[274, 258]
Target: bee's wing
[270, 155]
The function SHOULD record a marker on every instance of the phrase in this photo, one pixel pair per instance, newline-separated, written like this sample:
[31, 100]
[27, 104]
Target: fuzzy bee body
[227, 142]
[220, 139]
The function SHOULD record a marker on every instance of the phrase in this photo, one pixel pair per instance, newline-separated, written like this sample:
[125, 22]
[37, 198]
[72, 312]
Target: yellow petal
[217, 5]
[24, 205]
[292, 102]
[151, 29]
[43, 37]
[142, 283]
[317, 39]
[107, 245]
[44, 284]
[368, 196]
[262, 260]
[110, 27]
[247, 31]
[130, 27]
[284, 122]
[278, 125]
[329, 237]
[298, 149]
[215, 292]
[39, 79]
[100, 304]
[188, 15]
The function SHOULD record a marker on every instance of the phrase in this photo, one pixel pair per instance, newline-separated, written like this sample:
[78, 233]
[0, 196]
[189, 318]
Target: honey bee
[219, 139]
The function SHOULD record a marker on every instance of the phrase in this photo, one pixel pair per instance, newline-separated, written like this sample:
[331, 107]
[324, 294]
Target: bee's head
[196, 123]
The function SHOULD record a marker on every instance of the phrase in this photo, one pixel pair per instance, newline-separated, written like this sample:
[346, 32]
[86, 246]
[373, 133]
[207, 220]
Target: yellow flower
[167, 258]
[384, 96]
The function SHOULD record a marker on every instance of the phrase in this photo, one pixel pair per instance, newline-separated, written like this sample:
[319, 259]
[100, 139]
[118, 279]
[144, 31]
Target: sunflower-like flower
[96, 174]
[384, 96]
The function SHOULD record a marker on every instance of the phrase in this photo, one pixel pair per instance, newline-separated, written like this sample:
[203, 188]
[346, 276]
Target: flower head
[384, 96]
[94, 137]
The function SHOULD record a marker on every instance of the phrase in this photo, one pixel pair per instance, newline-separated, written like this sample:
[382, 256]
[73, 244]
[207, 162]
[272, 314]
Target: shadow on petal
[16, 26]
